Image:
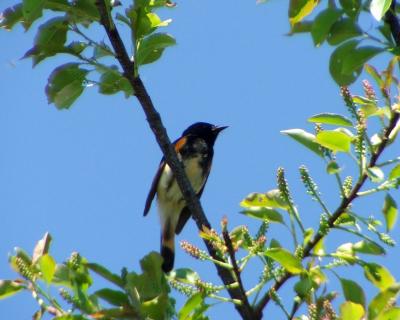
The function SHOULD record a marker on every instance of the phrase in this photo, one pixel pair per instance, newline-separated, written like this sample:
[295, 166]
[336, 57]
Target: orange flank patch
[180, 143]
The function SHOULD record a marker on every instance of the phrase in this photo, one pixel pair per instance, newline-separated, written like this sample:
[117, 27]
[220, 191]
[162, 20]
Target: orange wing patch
[180, 143]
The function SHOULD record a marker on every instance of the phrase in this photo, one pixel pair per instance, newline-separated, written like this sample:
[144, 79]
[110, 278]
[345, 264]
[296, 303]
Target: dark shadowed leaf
[114, 297]
[331, 118]
[32, 10]
[65, 85]
[286, 259]
[343, 30]
[305, 138]
[303, 286]
[49, 40]
[337, 60]
[351, 7]
[389, 211]
[105, 273]
[301, 27]
[358, 57]
[352, 291]
[11, 16]
[84, 11]
[152, 47]
[322, 25]
[112, 82]
[332, 167]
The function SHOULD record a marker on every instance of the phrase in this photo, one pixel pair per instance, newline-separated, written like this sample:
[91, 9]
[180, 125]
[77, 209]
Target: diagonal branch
[160, 133]
[394, 24]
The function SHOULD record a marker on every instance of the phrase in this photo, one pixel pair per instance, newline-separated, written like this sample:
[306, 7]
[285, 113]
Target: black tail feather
[169, 257]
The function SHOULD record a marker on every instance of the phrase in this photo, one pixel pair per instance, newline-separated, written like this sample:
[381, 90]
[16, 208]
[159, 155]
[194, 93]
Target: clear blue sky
[83, 174]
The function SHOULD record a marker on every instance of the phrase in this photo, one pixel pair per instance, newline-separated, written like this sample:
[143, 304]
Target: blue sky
[83, 174]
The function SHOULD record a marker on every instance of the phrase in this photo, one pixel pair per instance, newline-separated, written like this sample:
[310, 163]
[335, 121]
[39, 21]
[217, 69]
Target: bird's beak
[217, 129]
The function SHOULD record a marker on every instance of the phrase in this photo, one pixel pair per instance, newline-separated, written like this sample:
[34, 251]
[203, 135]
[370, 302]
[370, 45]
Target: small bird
[195, 148]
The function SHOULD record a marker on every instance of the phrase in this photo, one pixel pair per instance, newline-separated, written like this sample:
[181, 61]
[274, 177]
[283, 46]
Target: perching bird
[195, 150]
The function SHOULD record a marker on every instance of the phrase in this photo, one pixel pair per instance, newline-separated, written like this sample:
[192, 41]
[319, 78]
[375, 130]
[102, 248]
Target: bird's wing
[178, 144]
[153, 188]
[185, 213]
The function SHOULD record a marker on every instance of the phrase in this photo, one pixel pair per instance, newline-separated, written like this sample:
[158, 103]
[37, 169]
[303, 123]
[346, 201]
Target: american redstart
[195, 149]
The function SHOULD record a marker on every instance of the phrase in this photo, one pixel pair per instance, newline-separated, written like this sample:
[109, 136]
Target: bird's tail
[168, 246]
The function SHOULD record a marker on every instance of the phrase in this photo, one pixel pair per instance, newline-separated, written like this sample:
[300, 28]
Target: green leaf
[338, 57]
[151, 48]
[378, 275]
[381, 300]
[62, 276]
[375, 174]
[32, 10]
[390, 314]
[184, 275]
[105, 273]
[359, 57]
[303, 286]
[286, 259]
[49, 40]
[112, 82]
[389, 211]
[352, 291]
[264, 213]
[301, 27]
[11, 16]
[351, 311]
[378, 8]
[323, 23]
[270, 199]
[369, 247]
[351, 7]
[114, 297]
[191, 304]
[65, 85]
[9, 288]
[305, 138]
[395, 173]
[334, 140]
[299, 9]
[47, 266]
[331, 118]
[332, 167]
[84, 11]
[343, 30]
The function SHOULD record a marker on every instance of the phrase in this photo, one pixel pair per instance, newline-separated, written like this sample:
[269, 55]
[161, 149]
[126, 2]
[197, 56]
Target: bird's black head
[204, 130]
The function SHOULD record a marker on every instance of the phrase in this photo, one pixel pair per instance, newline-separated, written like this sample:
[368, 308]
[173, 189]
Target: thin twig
[160, 133]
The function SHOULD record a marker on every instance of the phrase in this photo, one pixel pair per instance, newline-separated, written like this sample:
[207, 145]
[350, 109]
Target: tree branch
[394, 24]
[160, 133]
